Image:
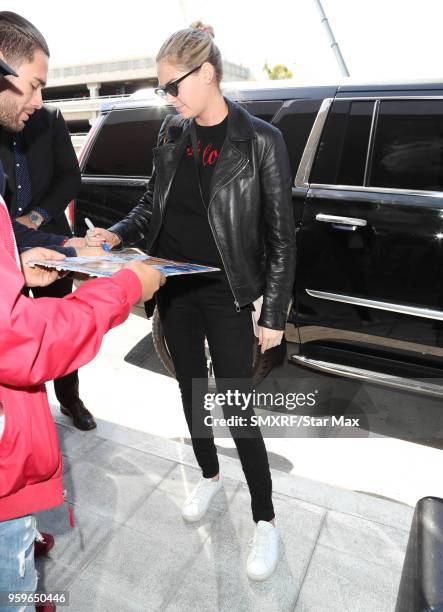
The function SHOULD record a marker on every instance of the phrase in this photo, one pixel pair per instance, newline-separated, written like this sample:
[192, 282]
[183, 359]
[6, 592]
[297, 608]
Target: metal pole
[334, 43]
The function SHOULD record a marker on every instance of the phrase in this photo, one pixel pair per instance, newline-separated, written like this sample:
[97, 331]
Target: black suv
[367, 163]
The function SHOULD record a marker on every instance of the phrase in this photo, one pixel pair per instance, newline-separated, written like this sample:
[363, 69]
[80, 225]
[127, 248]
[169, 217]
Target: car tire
[261, 364]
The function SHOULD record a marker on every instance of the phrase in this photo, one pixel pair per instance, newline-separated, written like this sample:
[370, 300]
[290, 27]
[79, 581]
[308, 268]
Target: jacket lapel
[229, 164]
[167, 158]
[232, 160]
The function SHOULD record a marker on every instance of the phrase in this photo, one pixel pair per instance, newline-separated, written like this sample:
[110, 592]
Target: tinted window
[408, 148]
[125, 142]
[341, 156]
[264, 109]
[295, 121]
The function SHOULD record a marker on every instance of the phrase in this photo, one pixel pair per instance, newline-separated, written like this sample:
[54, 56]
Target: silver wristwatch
[35, 218]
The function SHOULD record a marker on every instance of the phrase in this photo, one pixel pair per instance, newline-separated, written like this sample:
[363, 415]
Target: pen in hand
[91, 226]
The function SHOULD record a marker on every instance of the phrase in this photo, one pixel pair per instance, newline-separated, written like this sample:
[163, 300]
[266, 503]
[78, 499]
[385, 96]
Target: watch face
[35, 218]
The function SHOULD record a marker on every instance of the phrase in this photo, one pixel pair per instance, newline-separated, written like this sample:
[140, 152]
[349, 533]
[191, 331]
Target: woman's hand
[90, 251]
[268, 338]
[39, 276]
[98, 235]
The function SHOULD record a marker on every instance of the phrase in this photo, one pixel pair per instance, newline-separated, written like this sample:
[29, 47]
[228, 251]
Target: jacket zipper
[237, 305]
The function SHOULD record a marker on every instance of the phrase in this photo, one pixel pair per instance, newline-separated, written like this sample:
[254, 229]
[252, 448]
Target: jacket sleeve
[66, 180]
[135, 226]
[45, 338]
[28, 238]
[276, 190]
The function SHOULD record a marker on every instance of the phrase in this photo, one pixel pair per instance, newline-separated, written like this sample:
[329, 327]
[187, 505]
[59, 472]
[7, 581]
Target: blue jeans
[17, 568]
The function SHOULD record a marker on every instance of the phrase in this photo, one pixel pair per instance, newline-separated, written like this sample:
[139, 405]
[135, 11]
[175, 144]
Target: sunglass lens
[172, 89]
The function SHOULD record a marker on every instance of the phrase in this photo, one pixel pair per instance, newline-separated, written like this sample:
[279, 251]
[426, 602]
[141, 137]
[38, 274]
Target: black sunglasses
[172, 87]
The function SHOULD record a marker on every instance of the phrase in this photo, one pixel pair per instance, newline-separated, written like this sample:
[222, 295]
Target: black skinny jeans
[190, 308]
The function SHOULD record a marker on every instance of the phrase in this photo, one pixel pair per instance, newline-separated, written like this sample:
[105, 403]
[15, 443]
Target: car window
[264, 109]
[125, 142]
[408, 146]
[341, 155]
[295, 121]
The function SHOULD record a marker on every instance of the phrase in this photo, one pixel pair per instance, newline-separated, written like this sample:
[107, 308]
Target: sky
[379, 39]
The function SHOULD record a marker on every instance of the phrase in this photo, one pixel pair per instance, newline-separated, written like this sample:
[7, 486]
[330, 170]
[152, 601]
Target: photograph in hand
[108, 264]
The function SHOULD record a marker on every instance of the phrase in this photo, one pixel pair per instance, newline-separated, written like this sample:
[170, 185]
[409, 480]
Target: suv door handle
[341, 220]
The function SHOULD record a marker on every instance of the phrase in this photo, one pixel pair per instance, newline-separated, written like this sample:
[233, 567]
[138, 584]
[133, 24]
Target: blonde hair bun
[199, 25]
[192, 47]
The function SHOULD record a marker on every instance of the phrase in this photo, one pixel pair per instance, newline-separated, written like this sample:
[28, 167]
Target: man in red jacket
[41, 339]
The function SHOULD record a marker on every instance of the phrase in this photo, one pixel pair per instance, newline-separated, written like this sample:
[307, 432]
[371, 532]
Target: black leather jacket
[250, 209]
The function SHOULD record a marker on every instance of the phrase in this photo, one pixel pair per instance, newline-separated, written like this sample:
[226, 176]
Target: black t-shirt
[186, 234]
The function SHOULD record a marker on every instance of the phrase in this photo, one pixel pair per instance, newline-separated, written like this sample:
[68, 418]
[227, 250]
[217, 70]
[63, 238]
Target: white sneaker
[198, 501]
[262, 559]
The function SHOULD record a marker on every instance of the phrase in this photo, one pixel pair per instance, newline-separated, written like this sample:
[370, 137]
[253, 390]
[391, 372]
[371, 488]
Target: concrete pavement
[131, 550]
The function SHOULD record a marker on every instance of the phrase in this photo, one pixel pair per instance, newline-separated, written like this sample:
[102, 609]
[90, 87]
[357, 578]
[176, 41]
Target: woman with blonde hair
[220, 194]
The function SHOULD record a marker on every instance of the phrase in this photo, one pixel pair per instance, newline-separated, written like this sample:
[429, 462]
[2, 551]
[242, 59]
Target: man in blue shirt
[43, 176]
